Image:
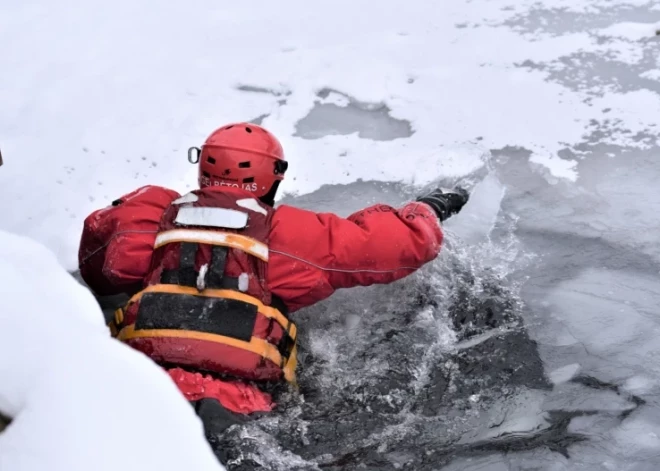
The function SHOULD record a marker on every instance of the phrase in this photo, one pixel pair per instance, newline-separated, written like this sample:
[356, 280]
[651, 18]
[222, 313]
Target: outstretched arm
[313, 254]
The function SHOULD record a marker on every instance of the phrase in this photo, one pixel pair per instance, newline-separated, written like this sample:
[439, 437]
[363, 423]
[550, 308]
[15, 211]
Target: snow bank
[80, 400]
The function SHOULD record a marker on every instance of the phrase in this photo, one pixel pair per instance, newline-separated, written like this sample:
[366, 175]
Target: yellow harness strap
[256, 345]
[268, 311]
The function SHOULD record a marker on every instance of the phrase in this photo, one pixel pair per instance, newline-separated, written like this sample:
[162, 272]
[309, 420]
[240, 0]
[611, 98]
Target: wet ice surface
[531, 343]
[337, 113]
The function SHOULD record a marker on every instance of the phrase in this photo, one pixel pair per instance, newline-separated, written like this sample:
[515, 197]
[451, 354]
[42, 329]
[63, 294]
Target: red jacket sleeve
[313, 254]
[117, 241]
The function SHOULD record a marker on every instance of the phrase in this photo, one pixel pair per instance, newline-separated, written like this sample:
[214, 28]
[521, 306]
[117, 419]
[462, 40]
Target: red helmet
[241, 155]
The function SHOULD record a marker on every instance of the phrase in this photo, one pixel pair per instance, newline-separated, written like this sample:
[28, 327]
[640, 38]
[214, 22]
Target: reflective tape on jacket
[226, 239]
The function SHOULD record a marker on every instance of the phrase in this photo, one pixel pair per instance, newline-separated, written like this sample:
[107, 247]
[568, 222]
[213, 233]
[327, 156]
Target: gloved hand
[446, 203]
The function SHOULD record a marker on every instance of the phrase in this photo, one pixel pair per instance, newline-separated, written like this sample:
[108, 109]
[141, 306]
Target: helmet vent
[247, 129]
[244, 165]
[210, 160]
[248, 180]
[206, 174]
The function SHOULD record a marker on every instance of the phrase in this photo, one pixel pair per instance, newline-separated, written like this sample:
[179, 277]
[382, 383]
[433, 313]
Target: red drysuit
[311, 255]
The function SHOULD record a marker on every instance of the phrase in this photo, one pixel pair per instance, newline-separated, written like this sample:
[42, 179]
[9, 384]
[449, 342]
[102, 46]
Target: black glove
[445, 203]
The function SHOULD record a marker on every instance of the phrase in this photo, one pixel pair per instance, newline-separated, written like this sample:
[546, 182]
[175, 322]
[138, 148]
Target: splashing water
[402, 375]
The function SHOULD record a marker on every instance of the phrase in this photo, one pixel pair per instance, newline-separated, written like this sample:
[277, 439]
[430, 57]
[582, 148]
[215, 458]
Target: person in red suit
[215, 275]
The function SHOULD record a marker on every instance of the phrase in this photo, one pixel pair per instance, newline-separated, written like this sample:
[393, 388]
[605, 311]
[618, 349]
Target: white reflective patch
[187, 198]
[212, 217]
[243, 282]
[201, 277]
[252, 205]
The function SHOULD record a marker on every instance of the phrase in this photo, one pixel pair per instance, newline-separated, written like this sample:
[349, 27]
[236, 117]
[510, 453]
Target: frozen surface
[99, 100]
[632, 31]
[480, 216]
[74, 394]
[531, 342]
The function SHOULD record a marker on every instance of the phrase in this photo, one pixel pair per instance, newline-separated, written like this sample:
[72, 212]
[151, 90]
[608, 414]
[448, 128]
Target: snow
[100, 101]
[77, 396]
[653, 74]
[558, 167]
[631, 31]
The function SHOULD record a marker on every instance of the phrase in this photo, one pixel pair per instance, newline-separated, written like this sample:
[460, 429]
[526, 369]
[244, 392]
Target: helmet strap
[269, 198]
